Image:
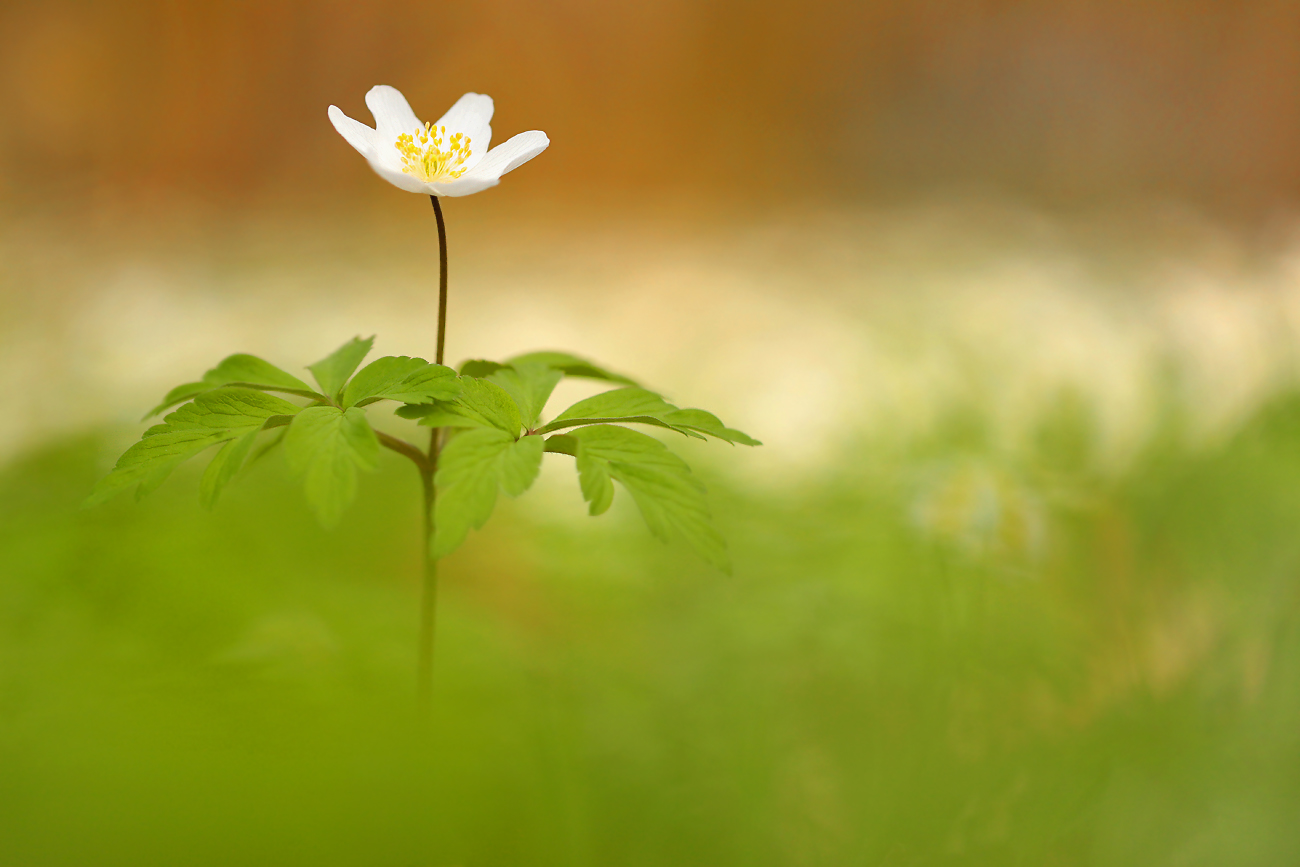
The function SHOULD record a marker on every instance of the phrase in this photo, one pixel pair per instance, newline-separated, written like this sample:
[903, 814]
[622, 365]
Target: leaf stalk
[405, 449]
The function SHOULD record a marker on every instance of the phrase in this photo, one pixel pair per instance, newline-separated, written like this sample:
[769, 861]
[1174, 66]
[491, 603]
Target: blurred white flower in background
[447, 158]
[982, 510]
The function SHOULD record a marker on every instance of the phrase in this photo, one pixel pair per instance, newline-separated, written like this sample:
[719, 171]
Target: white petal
[354, 132]
[471, 111]
[509, 155]
[399, 178]
[393, 115]
[464, 186]
[471, 116]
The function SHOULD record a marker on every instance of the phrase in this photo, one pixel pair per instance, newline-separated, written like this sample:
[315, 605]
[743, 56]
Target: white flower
[447, 158]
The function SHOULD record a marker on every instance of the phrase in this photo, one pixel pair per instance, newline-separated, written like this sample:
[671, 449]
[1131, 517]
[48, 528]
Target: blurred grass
[935, 655]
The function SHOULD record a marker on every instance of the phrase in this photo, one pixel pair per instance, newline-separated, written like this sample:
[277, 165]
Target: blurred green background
[1010, 290]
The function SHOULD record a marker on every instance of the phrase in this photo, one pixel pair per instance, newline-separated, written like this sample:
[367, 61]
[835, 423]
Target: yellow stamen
[424, 157]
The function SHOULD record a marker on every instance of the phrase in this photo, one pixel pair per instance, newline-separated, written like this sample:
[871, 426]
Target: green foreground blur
[934, 657]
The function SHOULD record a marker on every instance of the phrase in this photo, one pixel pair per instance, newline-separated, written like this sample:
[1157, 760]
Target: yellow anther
[424, 157]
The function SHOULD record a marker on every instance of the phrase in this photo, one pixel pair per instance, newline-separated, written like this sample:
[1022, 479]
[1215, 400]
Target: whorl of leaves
[494, 437]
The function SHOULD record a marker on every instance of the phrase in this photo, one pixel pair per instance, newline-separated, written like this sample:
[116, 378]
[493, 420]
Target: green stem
[428, 597]
[429, 592]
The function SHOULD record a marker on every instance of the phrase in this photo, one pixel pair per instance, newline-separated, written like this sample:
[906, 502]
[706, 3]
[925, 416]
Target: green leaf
[571, 365]
[670, 498]
[153, 479]
[264, 449]
[223, 466]
[247, 370]
[251, 370]
[438, 414]
[397, 377]
[434, 382]
[654, 421]
[595, 483]
[472, 467]
[214, 416]
[530, 384]
[625, 405]
[639, 406]
[481, 404]
[490, 402]
[380, 375]
[480, 368]
[229, 408]
[707, 422]
[153, 456]
[562, 444]
[617, 403]
[179, 394]
[331, 372]
[327, 445]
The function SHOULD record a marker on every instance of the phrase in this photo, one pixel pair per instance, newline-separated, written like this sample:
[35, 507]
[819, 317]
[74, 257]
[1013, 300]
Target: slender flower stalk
[429, 591]
[442, 281]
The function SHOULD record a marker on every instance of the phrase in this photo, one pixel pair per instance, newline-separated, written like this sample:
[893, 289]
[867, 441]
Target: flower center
[424, 156]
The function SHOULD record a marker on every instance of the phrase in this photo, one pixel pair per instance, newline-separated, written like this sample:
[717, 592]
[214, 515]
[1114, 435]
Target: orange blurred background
[814, 180]
[1065, 102]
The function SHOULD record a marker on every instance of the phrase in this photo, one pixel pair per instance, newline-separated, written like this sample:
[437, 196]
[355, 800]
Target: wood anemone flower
[447, 158]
